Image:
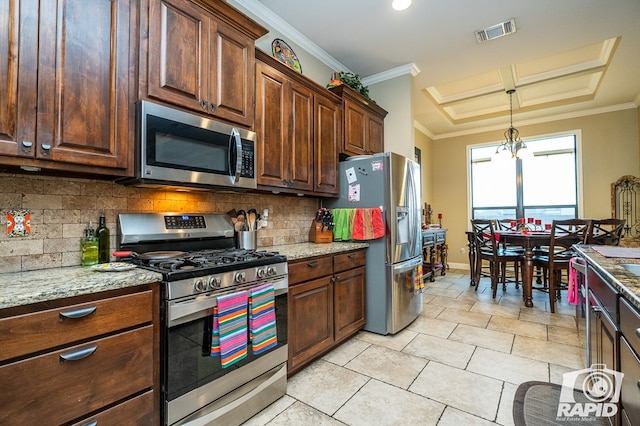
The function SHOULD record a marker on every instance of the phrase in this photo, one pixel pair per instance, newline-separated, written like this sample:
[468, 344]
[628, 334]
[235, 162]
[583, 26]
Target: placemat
[615, 251]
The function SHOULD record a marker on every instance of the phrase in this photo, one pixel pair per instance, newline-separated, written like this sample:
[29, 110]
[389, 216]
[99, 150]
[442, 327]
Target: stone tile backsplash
[61, 208]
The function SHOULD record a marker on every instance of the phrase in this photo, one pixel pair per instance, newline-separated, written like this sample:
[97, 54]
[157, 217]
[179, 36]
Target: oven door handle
[177, 312]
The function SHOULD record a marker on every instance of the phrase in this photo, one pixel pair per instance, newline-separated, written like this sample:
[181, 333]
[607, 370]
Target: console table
[434, 246]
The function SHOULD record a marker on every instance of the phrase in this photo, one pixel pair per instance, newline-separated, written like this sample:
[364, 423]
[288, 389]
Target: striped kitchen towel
[262, 318]
[230, 325]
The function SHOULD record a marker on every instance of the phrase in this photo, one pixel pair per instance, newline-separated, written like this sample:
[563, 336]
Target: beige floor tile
[389, 366]
[518, 327]
[446, 292]
[506, 367]
[448, 302]
[556, 371]
[325, 386]
[551, 352]
[431, 311]
[269, 413]
[566, 336]
[496, 309]
[505, 409]
[381, 404]
[438, 283]
[463, 390]
[346, 351]
[441, 350]
[427, 298]
[490, 339]
[454, 417]
[548, 318]
[302, 414]
[432, 326]
[392, 341]
[464, 317]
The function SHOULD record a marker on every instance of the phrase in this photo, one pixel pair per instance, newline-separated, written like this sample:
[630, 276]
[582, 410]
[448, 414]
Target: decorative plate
[285, 54]
[113, 267]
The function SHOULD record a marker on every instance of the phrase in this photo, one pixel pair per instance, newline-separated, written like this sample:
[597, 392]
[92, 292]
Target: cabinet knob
[213, 107]
[638, 332]
[204, 105]
[26, 146]
[45, 148]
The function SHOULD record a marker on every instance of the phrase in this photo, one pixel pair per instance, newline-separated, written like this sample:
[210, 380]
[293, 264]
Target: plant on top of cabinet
[201, 56]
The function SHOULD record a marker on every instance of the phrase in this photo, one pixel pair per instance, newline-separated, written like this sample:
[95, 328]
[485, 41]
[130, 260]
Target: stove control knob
[200, 285]
[271, 271]
[261, 273]
[214, 282]
[240, 277]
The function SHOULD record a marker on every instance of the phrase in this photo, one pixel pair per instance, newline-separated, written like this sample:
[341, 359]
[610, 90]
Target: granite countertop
[302, 250]
[627, 283]
[23, 288]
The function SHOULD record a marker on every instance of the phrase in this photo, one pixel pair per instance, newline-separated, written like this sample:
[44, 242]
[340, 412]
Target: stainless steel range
[195, 253]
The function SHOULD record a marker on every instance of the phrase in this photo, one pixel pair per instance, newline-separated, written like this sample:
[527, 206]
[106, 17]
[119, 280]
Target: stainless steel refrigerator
[391, 182]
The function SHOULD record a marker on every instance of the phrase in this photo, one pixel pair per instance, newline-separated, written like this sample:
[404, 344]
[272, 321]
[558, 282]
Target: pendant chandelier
[513, 147]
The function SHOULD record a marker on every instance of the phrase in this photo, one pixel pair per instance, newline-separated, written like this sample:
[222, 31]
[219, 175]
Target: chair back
[484, 236]
[607, 232]
[505, 224]
[566, 233]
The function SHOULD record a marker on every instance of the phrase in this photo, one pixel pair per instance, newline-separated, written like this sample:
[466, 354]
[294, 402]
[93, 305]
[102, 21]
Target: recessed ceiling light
[401, 4]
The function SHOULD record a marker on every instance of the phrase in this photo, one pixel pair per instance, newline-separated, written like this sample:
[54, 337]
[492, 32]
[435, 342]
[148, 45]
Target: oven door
[194, 381]
[183, 148]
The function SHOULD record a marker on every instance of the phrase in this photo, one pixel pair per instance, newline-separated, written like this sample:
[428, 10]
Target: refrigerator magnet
[354, 193]
[377, 166]
[351, 175]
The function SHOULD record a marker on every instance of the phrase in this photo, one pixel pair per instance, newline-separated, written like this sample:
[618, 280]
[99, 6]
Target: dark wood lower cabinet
[326, 304]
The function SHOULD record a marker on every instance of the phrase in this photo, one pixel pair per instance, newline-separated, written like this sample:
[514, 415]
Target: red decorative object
[530, 220]
[538, 221]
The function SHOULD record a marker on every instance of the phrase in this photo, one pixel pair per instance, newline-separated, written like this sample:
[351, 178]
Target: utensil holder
[319, 235]
[247, 240]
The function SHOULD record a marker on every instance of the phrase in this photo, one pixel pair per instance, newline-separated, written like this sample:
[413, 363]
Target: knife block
[319, 235]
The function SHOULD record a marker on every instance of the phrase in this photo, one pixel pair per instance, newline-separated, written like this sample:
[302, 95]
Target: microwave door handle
[235, 146]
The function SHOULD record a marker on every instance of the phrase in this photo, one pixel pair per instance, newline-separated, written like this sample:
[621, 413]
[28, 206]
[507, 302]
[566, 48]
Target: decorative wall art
[285, 54]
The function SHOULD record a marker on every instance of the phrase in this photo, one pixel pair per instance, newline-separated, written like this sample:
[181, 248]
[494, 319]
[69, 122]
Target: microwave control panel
[248, 160]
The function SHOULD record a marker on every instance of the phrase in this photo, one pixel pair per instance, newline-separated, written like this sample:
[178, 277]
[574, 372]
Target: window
[526, 188]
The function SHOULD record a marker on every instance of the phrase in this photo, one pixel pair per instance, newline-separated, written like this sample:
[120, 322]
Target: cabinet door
[349, 302]
[272, 146]
[355, 129]
[630, 366]
[178, 68]
[18, 74]
[231, 88]
[301, 142]
[604, 335]
[328, 134]
[83, 82]
[310, 320]
[375, 136]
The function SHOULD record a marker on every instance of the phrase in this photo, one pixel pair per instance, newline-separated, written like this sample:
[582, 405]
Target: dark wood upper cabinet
[201, 57]
[363, 123]
[66, 103]
[299, 128]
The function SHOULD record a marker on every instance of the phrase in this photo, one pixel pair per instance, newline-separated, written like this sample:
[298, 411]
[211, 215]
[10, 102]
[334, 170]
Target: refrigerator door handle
[412, 193]
[406, 265]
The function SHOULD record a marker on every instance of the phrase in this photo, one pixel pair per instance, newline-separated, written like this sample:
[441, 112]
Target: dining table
[528, 240]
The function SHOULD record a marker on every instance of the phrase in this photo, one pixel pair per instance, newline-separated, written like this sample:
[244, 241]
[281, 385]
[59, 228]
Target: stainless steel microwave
[180, 149]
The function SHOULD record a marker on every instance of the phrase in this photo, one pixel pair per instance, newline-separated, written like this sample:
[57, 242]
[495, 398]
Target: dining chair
[488, 249]
[564, 234]
[510, 271]
[607, 232]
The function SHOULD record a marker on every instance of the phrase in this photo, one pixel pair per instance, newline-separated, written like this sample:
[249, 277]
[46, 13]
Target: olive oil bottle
[103, 240]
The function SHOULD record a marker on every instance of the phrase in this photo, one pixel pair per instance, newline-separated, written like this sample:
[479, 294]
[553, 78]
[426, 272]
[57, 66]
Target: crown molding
[419, 127]
[266, 15]
[392, 73]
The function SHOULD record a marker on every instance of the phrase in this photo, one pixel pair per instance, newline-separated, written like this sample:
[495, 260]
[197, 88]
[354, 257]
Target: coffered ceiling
[566, 58]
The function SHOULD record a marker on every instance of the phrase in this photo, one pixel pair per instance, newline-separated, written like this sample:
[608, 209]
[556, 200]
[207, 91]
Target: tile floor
[459, 363]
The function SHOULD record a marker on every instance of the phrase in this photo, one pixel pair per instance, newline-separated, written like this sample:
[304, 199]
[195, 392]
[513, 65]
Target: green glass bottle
[89, 247]
[103, 240]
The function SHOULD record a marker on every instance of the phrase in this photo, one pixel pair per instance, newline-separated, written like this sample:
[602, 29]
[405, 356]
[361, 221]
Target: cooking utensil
[252, 216]
[151, 255]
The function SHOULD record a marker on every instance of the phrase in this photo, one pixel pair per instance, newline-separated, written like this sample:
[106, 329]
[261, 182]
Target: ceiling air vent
[496, 31]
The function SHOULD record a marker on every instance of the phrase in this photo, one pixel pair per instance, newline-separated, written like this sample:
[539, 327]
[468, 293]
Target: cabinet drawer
[344, 261]
[135, 411]
[309, 269]
[630, 324]
[428, 239]
[49, 387]
[630, 392]
[440, 237]
[607, 295]
[30, 333]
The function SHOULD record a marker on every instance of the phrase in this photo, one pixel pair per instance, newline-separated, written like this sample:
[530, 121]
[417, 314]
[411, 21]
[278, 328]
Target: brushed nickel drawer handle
[77, 313]
[91, 423]
[638, 332]
[351, 256]
[78, 354]
[312, 264]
